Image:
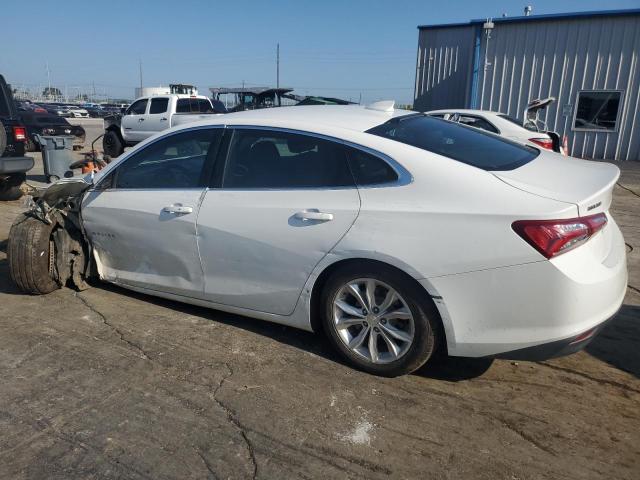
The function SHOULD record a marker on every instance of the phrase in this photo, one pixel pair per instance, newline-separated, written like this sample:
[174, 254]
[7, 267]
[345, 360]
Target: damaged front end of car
[47, 246]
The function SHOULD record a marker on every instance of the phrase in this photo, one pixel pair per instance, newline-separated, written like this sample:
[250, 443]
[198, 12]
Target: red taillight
[565, 146]
[543, 142]
[553, 237]
[19, 134]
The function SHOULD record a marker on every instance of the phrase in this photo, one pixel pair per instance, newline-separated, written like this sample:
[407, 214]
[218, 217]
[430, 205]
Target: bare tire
[10, 187]
[3, 139]
[112, 144]
[30, 253]
[379, 320]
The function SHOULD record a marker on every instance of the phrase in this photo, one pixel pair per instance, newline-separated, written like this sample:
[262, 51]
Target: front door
[286, 199]
[133, 129]
[141, 218]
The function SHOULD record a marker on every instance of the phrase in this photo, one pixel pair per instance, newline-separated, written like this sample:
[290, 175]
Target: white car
[78, 112]
[396, 233]
[500, 124]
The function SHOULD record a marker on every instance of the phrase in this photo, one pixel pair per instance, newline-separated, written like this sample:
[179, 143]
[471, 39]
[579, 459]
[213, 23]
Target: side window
[138, 107]
[158, 105]
[478, 123]
[203, 106]
[176, 161]
[273, 159]
[369, 169]
[597, 110]
[183, 106]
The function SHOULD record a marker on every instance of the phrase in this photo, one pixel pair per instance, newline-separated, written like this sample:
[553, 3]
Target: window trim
[207, 169]
[599, 130]
[404, 177]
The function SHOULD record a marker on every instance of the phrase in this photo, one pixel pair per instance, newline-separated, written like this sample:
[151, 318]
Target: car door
[284, 201]
[133, 129]
[158, 117]
[141, 218]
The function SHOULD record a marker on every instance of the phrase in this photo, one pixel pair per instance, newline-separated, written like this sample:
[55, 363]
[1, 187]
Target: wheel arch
[326, 272]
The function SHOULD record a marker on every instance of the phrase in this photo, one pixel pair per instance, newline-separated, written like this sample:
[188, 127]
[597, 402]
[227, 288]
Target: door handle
[178, 209]
[314, 215]
[141, 119]
[163, 119]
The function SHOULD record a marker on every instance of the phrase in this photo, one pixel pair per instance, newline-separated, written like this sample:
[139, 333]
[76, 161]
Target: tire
[423, 327]
[28, 253]
[112, 144]
[3, 139]
[10, 187]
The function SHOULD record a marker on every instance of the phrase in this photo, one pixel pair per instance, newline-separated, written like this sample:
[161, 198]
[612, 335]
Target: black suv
[14, 165]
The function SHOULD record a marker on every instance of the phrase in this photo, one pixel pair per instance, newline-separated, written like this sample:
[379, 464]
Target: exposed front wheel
[379, 320]
[31, 255]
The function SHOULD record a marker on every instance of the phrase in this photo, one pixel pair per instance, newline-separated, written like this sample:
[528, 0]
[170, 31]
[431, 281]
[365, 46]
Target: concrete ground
[111, 384]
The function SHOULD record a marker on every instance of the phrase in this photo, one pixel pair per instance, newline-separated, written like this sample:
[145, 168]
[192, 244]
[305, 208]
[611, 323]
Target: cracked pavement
[110, 384]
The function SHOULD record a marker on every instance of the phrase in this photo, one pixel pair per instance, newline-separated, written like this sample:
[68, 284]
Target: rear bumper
[559, 348]
[15, 164]
[534, 310]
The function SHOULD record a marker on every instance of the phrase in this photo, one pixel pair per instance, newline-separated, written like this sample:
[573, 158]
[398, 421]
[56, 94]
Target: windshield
[458, 142]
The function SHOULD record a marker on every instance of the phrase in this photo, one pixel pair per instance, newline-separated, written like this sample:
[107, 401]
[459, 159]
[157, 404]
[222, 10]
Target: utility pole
[278, 65]
[140, 64]
[49, 79]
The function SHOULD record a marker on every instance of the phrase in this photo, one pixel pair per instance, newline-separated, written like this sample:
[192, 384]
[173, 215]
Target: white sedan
[501, 124]
[396, 233]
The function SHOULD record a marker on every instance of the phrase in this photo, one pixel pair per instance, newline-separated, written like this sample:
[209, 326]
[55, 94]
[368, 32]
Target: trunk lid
[586, 184]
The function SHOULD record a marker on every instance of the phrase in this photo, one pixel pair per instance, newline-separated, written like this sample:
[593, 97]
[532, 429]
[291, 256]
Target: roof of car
[350, 117]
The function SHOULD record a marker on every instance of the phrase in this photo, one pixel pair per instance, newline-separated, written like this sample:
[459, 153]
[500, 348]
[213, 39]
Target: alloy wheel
[373, 320]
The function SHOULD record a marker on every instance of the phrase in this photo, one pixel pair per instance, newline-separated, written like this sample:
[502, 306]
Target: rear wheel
[112, 144]
[31, 255]
[379, 320]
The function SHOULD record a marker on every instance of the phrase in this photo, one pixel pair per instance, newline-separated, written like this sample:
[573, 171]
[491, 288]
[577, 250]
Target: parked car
[77, 112]
[150, 115]
[47, 124]
[95, 111]
[396, 233]
[14, 165]
[56, 109]
[27, 106]
[252, 98]
[530, 131]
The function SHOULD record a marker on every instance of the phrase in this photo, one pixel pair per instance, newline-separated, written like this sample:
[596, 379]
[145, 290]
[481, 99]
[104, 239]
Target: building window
[597, 110]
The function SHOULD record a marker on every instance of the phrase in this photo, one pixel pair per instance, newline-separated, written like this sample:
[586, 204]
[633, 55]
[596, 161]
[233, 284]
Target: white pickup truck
[150, 115]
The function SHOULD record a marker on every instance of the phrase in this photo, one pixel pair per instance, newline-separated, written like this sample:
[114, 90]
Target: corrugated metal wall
[444, 68]
[537, 58]
[558, 58]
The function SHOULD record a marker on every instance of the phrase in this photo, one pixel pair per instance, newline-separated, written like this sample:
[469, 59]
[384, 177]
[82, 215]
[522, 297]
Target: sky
[353, 49]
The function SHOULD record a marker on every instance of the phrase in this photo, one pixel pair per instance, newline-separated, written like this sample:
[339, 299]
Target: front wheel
[112, 144]
[379, 320]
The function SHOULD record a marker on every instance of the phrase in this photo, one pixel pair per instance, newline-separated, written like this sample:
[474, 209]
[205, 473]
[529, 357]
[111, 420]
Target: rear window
[467, 145]
[193, 105]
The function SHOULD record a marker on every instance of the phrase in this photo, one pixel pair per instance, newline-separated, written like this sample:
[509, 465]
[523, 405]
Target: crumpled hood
[587, 184]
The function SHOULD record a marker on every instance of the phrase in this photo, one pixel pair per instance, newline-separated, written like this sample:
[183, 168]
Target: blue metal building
[588, 61]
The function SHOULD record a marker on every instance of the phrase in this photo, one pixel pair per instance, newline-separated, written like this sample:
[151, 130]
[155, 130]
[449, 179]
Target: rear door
[284, 201]
[141, 218]
[133, 129]
[158, 117]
